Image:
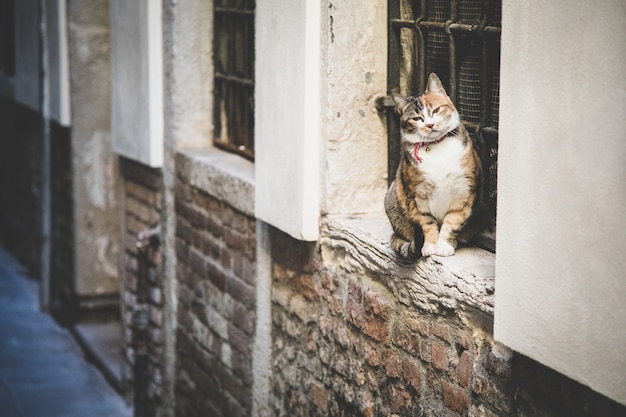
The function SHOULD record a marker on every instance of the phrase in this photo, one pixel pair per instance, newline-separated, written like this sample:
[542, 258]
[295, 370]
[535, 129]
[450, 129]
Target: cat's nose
[430, 125]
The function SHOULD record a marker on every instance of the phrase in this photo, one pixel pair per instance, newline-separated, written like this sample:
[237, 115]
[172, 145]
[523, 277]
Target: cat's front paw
[429, 249]
[444, 248]
[407, 250]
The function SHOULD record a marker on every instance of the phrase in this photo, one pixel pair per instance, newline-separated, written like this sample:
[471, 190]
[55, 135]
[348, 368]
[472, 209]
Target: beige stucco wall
[93, 164]
[354, 170]
[560, 264]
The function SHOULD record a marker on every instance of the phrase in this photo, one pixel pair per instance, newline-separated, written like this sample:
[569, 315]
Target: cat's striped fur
[433, 202]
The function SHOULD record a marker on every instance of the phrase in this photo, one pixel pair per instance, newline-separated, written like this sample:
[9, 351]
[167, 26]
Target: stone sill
[223, 175]
[464, 281]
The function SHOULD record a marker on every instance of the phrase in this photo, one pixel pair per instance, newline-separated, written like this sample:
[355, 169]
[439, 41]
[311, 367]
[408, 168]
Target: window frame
[454, 24]
[234, 82]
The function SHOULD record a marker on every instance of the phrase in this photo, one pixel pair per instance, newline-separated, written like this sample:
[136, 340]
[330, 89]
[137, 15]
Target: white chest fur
[443, 169]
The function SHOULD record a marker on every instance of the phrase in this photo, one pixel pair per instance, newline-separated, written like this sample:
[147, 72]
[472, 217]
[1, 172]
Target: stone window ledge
[462, 282]
[223, 175]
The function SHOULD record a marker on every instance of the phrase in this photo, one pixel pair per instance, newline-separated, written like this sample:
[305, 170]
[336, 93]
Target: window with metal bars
[234, 76]
[460, 41]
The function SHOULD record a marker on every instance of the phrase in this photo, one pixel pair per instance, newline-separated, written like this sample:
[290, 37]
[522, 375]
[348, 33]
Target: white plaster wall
[287, 115]
[560, 264]
[137, 80]
[94, 166]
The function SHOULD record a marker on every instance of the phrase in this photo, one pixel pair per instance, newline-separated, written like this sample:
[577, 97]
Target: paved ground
[43, 372]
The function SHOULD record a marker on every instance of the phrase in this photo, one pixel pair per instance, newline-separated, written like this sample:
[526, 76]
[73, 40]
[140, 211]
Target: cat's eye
[416, 118]
[436, 110]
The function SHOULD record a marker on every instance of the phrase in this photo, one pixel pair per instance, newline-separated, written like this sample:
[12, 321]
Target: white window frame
[137, 80]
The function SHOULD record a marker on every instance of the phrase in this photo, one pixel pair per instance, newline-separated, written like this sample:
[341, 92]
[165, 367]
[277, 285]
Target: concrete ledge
[223, 175]
[463, 282]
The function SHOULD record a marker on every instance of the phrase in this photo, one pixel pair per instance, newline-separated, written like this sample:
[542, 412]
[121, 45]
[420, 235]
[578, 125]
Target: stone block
[439, 355]
[454, 397]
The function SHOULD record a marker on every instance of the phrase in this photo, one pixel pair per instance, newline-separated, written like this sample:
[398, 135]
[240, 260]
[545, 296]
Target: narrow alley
[43, 372]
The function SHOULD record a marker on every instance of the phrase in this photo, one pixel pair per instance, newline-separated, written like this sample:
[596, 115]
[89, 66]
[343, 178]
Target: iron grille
[234, 76]
[460, 41]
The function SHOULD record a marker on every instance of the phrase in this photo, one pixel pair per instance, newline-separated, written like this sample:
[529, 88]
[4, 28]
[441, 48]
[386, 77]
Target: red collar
[418, 145]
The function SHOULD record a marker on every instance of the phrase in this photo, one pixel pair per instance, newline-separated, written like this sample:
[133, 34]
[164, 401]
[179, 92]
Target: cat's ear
[434, 84]
[401, 102]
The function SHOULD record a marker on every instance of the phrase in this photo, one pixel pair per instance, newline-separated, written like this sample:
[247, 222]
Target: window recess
[234, 76]
[460, 41]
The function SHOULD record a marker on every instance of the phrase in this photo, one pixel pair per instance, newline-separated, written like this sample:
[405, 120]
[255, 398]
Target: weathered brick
[319, 396]
[399, 399]
[243, 318]
[371, 352]
[354, 306]
[401, 336]
[367, 405]
[217, 322]
[213, 227]
[464, 369]
[376, 304]
[416, 323]
[181, 250]
[216, 275]
[242, 292]
[439, 353]
[376, 328]
[411, 373]
[239, 340]
[244, 268]
[454, 397]
[225, 258]
[156, 316]
[310, 288]
[441, 330]
[235, 240]
[392, 363]
[464, 339]
[143, 193]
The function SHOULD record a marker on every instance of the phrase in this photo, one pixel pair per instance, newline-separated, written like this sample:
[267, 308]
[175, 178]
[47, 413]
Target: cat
[434, 200]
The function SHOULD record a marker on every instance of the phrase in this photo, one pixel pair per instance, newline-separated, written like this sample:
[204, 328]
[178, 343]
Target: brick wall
[142, 210]
[344, 345]
[215, 250]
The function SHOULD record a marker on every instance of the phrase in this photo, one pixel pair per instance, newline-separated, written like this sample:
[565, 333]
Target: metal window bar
[460, 41]
[234, 76]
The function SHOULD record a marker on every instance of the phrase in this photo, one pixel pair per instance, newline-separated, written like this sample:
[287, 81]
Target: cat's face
[428, 117]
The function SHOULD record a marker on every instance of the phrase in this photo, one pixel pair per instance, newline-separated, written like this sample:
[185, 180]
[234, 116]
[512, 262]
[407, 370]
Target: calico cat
[434, 200]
